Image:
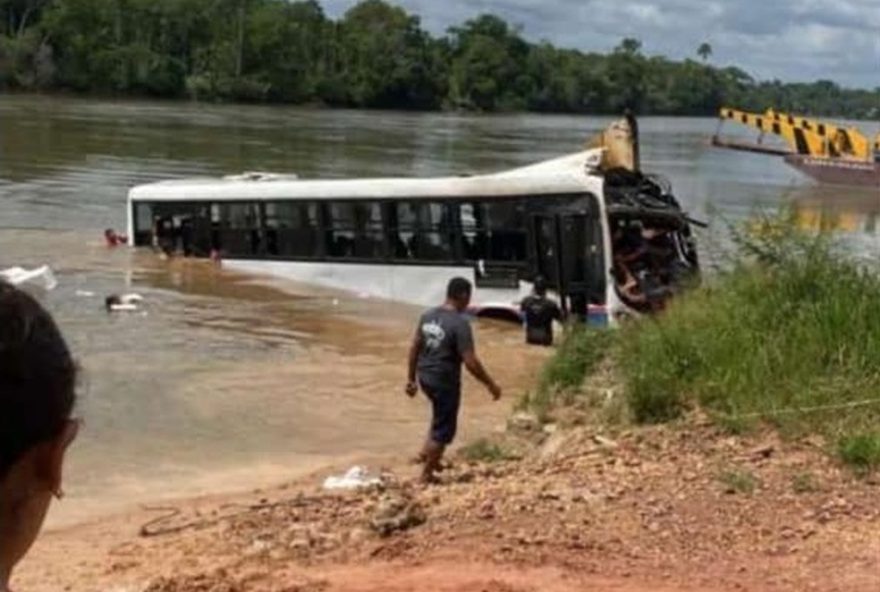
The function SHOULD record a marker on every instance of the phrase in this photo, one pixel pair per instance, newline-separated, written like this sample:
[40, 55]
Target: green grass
[577, 356]
[787, 334]
[483, 450]
[738, 481]
[861, 451]
[790, 334]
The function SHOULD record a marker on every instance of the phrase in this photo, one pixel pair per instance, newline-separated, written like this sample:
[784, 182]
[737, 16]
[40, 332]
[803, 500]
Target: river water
[228, 382]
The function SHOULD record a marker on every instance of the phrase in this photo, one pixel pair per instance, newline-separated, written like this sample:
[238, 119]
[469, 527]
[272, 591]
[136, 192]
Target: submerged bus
[402, 239]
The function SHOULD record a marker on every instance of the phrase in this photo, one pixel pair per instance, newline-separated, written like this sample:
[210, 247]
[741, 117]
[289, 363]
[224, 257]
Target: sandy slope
[654, 509]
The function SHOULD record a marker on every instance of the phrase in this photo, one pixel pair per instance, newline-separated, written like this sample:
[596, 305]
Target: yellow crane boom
[809, 137]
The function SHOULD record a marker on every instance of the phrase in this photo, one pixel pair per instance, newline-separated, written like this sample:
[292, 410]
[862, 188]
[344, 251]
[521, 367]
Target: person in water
[37, 395]
[123, 303]
[443, 341]
[539, 312]
[114, 239]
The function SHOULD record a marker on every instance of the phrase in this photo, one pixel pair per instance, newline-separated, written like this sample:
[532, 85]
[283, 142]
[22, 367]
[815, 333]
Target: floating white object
[85, 293]
[355, 478]
[41, 275]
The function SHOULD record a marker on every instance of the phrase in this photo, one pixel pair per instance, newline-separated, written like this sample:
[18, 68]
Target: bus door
[574, 240]
[560, 247]
[202, 231]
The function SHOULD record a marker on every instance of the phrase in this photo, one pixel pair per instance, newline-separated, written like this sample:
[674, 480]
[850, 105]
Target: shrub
[738, 481]
[577, 356]
[861, 451]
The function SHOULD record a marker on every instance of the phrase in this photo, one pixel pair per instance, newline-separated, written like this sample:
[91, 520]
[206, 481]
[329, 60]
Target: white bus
[403, 239]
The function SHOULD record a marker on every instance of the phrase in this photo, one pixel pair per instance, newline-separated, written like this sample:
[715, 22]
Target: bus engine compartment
[654, 253]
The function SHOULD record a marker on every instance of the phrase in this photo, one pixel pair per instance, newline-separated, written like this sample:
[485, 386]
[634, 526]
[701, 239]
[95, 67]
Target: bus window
[369, 241]
[143, 224]
[493, 231]
[473, 232]
[241, 229]
[292, 229]
[355, 230]
[507, 231]
[422, 231]
[340, 230]
[216, 227]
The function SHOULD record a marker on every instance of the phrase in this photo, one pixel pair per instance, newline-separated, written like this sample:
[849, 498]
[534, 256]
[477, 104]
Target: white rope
[850, 405]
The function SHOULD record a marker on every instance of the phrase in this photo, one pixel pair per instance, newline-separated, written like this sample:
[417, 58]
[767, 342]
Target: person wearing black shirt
[539, 312]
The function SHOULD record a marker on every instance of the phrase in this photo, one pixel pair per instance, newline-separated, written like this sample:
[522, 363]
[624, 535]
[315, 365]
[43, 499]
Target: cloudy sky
[794, 40]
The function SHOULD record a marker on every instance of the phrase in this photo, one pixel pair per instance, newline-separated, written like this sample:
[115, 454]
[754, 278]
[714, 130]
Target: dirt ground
[672, 509]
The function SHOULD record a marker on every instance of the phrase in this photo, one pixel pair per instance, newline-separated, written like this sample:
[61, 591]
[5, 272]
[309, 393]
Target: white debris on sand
[355, 478]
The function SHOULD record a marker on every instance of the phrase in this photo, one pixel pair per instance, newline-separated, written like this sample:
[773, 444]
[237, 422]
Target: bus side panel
[412, 284]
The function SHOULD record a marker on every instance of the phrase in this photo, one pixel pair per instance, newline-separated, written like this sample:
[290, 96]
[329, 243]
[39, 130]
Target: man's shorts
[445, 402]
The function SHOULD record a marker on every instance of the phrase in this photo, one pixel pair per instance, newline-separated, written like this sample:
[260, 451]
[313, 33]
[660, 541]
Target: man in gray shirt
[442, 342]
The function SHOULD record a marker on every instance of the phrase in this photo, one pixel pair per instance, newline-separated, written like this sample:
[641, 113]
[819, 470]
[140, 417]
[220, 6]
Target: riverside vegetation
[377, 55]
[786, 334]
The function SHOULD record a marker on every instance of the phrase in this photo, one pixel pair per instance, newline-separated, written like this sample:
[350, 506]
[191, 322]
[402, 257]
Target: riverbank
[783, 334]
[683, 508]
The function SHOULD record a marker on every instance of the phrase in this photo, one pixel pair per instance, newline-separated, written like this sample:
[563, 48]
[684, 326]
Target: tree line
[375, 56]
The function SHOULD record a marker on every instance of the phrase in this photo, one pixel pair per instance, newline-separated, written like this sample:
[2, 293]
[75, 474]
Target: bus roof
[568, 174]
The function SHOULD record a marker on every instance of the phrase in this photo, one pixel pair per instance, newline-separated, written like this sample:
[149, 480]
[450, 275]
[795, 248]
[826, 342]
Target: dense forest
[376, 56]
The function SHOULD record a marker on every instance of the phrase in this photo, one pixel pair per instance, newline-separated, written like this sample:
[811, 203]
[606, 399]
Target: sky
[792, 40]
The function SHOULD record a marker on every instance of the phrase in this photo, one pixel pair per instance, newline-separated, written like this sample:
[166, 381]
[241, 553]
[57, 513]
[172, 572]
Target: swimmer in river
[114, 239]
[123, 303]
[443, 341]
[37, 395]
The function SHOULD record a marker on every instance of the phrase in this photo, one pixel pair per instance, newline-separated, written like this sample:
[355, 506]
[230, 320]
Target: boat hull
[837, 172]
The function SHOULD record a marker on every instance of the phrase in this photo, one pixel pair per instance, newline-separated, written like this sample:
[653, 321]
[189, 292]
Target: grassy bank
[788, 334]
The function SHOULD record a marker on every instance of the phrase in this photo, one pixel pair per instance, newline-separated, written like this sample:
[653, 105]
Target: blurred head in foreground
[37, 393]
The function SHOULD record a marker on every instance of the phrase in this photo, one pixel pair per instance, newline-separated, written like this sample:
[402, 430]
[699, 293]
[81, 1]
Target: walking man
[442, 342]
[539, 312]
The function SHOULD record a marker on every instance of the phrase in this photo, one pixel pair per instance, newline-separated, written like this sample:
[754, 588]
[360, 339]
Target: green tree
[488, 69]
[629, 46]
[376, 55]
[704, 51]
[288, 51]
[388, 60]
[626, 69]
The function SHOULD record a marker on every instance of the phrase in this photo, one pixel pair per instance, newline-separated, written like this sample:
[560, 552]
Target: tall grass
[577, 357]
[790, 334]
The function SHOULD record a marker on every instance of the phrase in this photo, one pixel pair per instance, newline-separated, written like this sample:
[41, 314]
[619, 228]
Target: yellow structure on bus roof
[809, 137]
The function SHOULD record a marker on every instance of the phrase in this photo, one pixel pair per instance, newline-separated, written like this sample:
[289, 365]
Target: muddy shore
[677, 509]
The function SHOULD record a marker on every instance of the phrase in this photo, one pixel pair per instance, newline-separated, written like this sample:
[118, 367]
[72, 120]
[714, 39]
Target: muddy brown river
[227, 382]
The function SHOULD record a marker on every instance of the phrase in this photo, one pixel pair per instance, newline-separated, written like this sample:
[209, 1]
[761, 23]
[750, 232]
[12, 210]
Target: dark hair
[458, 288]
[37, 376]
[540, 285]
[111, 301]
